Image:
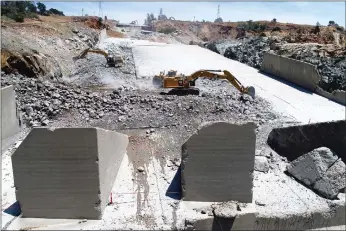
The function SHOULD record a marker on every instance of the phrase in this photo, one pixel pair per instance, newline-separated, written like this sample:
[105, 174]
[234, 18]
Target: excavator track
[182, 92]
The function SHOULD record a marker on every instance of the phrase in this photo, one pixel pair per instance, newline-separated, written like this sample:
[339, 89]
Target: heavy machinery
[181, 84]
[112, 61]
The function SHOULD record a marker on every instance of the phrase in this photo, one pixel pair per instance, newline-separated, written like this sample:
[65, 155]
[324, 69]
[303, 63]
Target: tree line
[18, 10]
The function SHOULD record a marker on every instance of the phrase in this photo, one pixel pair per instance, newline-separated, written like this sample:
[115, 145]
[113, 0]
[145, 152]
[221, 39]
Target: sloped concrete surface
[67, 172]
[288, 99]
[217, 163]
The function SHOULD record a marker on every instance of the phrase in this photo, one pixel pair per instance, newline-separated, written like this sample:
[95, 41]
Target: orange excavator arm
[212, 74]
[86, 51]
[226, 75]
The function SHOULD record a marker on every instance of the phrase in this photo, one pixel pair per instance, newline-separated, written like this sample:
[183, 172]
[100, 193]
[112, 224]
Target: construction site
[172, 125]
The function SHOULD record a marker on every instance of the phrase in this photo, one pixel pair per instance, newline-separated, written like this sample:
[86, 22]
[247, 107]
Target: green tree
[41, 8]
[316, 29]
[56, 12]
[32, 8]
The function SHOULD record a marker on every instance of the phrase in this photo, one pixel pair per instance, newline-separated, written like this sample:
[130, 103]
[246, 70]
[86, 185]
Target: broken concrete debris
[67, 172]
[261, 164]
[320, 170]
[217, 163]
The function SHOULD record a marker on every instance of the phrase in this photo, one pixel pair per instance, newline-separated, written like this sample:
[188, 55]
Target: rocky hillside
[45, 47]
[208, 31]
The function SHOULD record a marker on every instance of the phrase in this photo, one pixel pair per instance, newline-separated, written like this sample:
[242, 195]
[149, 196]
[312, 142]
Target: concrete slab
[217, 163]
[286, 98]
[10, 119]
[67, 172]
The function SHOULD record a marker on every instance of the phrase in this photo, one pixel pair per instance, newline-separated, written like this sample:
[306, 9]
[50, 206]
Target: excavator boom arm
[88, 50]
[212, 74]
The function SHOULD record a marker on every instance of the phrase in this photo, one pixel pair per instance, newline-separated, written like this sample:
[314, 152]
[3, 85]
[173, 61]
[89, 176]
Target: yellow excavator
[112, 61]
[181, 84]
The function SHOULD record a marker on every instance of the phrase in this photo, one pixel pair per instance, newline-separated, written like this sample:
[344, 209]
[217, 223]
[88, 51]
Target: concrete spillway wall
[217, 163]
[102, 37]
[67, 173]
[10, 118]
[300, 73]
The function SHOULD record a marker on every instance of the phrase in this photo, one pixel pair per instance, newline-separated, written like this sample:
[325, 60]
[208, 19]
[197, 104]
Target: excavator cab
[110, 61]
[172, 73]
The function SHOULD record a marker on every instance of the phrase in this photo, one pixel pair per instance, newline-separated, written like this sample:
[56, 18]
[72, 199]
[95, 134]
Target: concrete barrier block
[67, 172]
[10, 118]
[298, 72]
[337, 96]
[218, 162]
[295, 141]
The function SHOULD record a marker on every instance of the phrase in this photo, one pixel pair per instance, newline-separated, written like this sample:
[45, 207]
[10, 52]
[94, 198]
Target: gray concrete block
[320, 170]
[67, 172]
[337, 175]
[10, 118]
[218, 162]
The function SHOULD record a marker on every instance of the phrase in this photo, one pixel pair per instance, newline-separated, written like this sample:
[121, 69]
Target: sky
[293, 12]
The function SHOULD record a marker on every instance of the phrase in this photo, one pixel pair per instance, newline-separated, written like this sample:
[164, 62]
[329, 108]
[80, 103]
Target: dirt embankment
[208, 31]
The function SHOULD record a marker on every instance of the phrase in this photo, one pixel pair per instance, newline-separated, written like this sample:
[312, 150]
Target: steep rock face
[31, 65]
[43, 52]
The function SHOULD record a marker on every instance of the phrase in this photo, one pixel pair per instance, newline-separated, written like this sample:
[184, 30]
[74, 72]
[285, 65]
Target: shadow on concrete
[220, 224]
[14, 209]
[174, 189]
[293, 85]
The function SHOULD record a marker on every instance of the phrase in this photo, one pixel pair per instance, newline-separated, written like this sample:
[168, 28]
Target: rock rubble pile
[42, 101]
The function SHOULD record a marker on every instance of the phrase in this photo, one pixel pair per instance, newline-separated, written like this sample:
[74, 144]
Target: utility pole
[100, 10]
[82, 12]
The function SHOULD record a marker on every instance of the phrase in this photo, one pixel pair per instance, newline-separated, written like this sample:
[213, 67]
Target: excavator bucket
[158, 81]
[251, 91]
